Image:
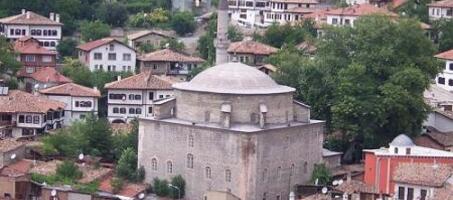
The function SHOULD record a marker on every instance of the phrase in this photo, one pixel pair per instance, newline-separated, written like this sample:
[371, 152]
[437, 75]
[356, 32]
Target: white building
[441, 101]
[248, 13]
[46, 30]
[80, 101]
[347, 16]
[286, 11]
[135, 96]
[107, 54]
[445, 79]
[440, 9]
[25, 115]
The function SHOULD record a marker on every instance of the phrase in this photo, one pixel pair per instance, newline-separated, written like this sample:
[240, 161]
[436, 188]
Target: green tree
[94, 30]
[114, 14]
[77, 72]
[278, 35]
[443, 34]
[173, 44]
[146, 48]
[234, 34]
[68, 170]
[117, 184]
[67, 48]
[160, 187]
[8, 61]
[416, 9]
[183, 22]
[322, 174]
[179, 182]
[366, 81]
[127, 165]
[158, 17]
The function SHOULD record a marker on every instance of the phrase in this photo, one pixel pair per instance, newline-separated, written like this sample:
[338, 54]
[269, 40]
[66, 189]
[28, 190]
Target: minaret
[221, 43]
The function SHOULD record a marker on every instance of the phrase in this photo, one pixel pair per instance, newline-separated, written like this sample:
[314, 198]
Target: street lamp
[179, 191]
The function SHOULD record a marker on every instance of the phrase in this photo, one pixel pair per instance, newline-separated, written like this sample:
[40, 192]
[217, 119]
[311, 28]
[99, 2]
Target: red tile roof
[445, 139]
[354, 186]
[142, 81]
[296, 1]
[49, 75]
[141, 34]
[97, 43]
[9, 144]
[360, 10]
[168, 55]
[33, 19]
[71, 89]
[251, 47]
[423, 174]
[129, 189]
[29, 45]
[398, 3]
[444, 3]
[17, 169]
[447, 55]
[23, 102]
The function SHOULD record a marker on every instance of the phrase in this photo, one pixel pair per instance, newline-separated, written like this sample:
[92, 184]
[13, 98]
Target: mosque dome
[402, 140]
[233, 78]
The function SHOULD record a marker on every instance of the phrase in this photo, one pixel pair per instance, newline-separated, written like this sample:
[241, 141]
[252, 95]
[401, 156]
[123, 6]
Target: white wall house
[445, 79]
[46, 30]
[107, 54]
[80, 101]
[248, 13]
[440, 9]
[288, 11]
[347, 16]
[23, 114]
[135, 96]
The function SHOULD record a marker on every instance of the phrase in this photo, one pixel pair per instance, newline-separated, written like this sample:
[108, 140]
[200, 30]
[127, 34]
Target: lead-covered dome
[233, 78]
[402, 141]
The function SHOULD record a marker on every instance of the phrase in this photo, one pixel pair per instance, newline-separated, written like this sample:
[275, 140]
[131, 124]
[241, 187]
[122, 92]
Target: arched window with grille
[190, 140]
[169, 167]
[228, 175]
[208, 172]
[154, 164]
[189, 161]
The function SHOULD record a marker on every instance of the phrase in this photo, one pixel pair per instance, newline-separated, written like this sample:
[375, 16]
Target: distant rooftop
[29, 18]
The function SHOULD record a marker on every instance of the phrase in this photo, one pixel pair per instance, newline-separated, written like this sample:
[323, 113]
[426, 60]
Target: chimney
[57, 17]
[52, 16]
[118, 78]
[28, 14]
[348, 177]
[23, 11]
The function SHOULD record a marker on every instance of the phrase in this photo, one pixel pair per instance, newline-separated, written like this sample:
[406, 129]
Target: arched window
[190, 161]
[190, 140]
[228, 175]
[208, 172]
[154, 164]
[169, 167]
[305, 167]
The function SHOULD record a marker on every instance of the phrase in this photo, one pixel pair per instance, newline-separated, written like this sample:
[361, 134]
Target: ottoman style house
[232, 129]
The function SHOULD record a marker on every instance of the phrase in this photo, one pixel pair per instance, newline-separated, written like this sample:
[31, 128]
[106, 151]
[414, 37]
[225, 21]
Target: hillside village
[226, 99]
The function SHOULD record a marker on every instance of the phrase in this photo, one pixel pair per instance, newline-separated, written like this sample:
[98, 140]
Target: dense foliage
[8, 61]
[321, 174]
[162, 187]
[157, 18]
[278, 35]
[127, 166]
[94, 30]
[115, 14]
[443, 34]
[183, 22]
[367, 82]
[67, 48]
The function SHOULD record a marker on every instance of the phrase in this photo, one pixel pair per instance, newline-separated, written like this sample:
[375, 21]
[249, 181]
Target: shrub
[160, 187]
[322, 173]
[68, 170]
[179, 182]
[117, 184]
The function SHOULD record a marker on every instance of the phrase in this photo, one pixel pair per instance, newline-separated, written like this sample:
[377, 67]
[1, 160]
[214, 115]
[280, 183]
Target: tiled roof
[97, 43]
[17, 169]
[447, 55]
[307, 46]
[447, 114]
[140, 34]
[71, 89]
[445, 193]
[46, 168]
[437, 95]
[130, 190]
[90, 173]
[9, 144]
[360, 10]
[317, 197]
[29, 45]
[142, 81]
[317, 15]
[33, 19]
[444, 3]
[251, 47]
[49, 75]
[397, 3]
[354, 186]
[445, 139]
[301, 10]
[270, 67]
[423, 174]
[168, 55]
[19, 101]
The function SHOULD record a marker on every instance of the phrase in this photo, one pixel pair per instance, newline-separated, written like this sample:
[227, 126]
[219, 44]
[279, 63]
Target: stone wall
[205, 107]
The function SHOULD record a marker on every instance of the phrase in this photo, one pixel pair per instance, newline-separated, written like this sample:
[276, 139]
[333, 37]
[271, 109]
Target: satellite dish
[81, 156]
[141, 195]
[335, 183]
[340, 182]
[53, 193]
[324, 190]
[13, 156]
[36, 86]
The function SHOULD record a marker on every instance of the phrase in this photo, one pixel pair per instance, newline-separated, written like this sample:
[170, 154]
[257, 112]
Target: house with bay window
[135, 96]
[107, 54]
[440, 10]
[29, 24]
[80, 101]
[285, 11]
[26, 115]
[445, 78]
[33, 56]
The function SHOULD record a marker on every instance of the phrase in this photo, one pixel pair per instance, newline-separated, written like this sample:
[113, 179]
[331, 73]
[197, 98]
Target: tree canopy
[94, 30]
[366, 81]
[183, 22]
